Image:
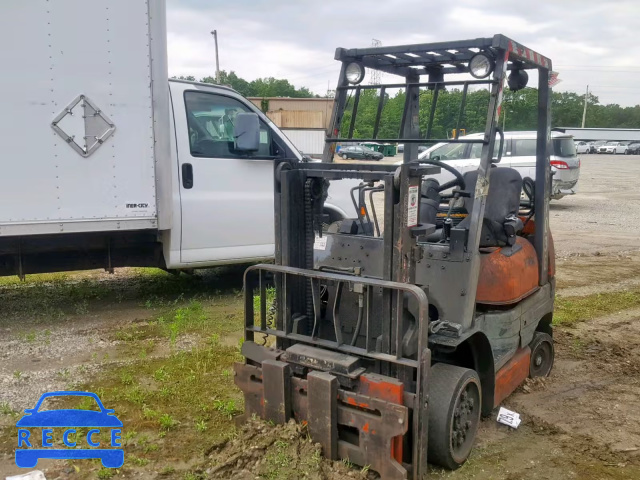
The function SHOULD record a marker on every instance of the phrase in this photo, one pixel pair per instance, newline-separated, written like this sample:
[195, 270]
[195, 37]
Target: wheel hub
[464, 416]
[541, 356]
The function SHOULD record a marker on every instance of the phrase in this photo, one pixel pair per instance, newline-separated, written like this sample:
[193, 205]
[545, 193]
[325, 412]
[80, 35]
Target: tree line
[260, 87]
[520, 112]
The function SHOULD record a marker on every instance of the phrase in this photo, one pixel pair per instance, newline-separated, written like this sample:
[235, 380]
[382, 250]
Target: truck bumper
[562, 189]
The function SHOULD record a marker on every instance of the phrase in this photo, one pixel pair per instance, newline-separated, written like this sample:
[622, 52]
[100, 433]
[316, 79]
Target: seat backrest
[503, 202]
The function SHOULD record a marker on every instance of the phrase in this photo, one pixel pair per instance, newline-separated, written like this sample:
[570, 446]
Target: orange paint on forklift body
[512, 375]
[505, 280]
[528, 230]
[392, 391]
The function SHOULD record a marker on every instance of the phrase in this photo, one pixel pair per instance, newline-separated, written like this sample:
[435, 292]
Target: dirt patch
[585, 274]
[275, 452]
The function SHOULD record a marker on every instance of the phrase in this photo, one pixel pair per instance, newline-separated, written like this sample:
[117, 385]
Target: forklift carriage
[392, 334]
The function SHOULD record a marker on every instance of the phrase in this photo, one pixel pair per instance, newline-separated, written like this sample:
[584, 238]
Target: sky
[591, 42]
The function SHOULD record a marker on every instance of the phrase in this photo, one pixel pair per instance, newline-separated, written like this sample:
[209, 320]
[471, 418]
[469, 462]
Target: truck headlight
[354, 73]
[481, 65]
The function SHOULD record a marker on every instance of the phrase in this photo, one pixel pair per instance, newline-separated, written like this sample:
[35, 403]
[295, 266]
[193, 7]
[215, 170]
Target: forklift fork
[366, 429]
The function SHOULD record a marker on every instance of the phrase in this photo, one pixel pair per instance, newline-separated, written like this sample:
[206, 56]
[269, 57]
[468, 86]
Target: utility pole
[584, 112]
[375, 75]
[215, 38]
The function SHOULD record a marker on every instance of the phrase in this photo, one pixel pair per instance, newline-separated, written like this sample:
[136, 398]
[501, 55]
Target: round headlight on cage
[354, 73]
[481, 65]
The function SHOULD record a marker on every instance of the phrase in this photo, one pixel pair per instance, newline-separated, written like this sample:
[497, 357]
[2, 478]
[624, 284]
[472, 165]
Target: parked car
[421, 148]
[358, 152]
[583, 147]
[613, 148]
[519, 153]
[595, 145]
[633, 148]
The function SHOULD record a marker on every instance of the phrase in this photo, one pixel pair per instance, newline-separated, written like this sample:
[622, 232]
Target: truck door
[226, 197]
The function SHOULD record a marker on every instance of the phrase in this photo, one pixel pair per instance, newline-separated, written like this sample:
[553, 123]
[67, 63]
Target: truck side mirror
[246, 132]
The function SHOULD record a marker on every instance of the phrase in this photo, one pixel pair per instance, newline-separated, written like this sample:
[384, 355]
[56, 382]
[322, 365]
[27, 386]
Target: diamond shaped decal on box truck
[83, 126]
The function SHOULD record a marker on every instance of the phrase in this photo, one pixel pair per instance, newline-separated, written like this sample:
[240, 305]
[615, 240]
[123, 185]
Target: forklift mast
[366, 306]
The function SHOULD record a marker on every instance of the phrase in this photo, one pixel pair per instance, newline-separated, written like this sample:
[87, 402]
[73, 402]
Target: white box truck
[107, 163]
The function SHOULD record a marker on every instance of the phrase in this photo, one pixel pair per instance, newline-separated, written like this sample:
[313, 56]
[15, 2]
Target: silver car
[519, 153]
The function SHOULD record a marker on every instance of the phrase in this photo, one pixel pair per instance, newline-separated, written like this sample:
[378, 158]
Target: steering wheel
[459, 181]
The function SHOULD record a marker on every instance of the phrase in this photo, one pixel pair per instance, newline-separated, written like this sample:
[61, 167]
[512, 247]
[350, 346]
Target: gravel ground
[604, 217]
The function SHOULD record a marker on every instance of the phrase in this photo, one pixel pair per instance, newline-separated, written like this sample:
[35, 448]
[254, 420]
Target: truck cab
[223, 198]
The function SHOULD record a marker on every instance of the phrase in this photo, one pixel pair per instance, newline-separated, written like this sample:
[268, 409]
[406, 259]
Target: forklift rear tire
[542, 355]
[454, 414]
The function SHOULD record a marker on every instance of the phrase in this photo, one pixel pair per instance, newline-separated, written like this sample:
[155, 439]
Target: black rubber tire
[344, 155]
[542, 355]
[447, 384]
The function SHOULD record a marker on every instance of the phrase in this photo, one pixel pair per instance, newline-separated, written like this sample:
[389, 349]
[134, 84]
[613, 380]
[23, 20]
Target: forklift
[393, 333]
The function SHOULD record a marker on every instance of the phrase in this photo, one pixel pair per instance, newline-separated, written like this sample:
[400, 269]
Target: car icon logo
[69, 420]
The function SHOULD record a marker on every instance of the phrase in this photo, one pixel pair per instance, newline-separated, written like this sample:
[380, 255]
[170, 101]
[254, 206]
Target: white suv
[519, 152]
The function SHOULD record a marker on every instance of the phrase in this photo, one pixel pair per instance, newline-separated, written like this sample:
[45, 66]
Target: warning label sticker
[320, 243]
[412, 207]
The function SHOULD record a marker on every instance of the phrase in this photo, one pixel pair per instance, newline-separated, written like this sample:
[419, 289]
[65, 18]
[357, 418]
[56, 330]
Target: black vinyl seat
[501, 223]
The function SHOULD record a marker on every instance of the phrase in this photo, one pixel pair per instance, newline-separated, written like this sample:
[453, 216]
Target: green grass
[167, 422]
[270, 299]
[56, 296]
[5, 409]
[174, 407]
[106, 473]
[201, 426]
[569, 310]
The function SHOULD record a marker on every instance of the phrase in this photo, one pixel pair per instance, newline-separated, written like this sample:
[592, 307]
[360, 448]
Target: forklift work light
[355, 73]
[481, 65]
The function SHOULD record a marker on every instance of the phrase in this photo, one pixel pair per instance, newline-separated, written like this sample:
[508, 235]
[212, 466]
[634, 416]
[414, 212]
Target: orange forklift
[395, 331]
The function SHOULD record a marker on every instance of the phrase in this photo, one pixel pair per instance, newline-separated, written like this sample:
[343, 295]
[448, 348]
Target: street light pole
[584, 112]
[215, 38]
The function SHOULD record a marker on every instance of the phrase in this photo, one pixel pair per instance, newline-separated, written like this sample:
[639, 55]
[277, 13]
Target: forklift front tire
[454, 414]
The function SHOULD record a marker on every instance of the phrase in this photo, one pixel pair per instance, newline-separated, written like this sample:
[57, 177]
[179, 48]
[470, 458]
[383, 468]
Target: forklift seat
[501, 223]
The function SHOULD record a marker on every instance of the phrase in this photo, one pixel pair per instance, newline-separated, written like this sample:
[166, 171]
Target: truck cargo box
[83, 84]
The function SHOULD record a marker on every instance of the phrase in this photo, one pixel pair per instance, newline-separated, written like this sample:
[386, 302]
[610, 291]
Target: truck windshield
[563, 147]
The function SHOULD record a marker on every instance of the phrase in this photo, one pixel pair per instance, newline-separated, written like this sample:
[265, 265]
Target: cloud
[590, 42]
